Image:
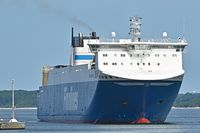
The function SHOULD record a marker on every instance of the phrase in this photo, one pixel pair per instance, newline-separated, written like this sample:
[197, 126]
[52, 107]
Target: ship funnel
[45, 76]
[135, 25]
[94, 35]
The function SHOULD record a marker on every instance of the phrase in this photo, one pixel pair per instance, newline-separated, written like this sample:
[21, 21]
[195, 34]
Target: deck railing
[168, 40]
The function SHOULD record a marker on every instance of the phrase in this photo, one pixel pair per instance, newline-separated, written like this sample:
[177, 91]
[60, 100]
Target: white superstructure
[135, 59]
[141, 60]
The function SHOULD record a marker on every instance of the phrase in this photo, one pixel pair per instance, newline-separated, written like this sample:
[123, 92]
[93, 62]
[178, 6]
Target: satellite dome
[164, 34]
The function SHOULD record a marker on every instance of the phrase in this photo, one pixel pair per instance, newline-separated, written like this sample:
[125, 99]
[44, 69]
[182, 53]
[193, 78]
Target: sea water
[180, 120]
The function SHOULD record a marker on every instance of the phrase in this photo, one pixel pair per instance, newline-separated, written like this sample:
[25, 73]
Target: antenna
[72, 37]
[71, 48]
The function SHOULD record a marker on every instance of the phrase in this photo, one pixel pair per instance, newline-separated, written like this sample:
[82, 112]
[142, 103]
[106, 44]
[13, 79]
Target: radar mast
[135, 25]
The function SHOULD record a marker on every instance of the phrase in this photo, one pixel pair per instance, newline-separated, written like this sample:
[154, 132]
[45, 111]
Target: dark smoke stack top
[72, 37]
[94, 36]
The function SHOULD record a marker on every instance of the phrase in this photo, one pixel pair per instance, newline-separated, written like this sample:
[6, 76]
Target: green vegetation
[22, 98]
[29, 99]
[188, 100]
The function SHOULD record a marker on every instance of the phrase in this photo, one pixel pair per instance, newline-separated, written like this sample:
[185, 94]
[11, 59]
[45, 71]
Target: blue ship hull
[108, 101]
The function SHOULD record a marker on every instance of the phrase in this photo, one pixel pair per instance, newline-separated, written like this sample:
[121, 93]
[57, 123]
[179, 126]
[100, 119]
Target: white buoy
[13, 123]
[13, 120]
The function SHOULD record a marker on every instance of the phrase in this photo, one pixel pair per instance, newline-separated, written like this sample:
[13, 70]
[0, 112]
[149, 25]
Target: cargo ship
[114, 80]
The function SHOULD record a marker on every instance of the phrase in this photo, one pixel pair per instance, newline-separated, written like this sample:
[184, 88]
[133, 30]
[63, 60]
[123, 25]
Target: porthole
[158, 64]
[138, 64]
[160, 101]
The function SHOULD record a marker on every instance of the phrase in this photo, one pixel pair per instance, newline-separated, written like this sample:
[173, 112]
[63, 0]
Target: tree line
[29, 99]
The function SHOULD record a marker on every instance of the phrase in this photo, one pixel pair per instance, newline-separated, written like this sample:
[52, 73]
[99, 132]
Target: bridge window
[174, 55]
[105, 63]
[122, 55]
[114, 63]
[105, 55]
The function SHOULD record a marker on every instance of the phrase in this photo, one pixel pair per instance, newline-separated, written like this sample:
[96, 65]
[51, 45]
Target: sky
[34, 33]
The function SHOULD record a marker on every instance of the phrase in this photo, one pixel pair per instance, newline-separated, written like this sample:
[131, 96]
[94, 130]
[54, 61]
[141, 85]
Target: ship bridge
[143, 44]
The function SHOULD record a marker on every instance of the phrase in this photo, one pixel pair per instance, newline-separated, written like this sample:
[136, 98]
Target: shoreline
[21, 108]
[185, 107]
[35, 108]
